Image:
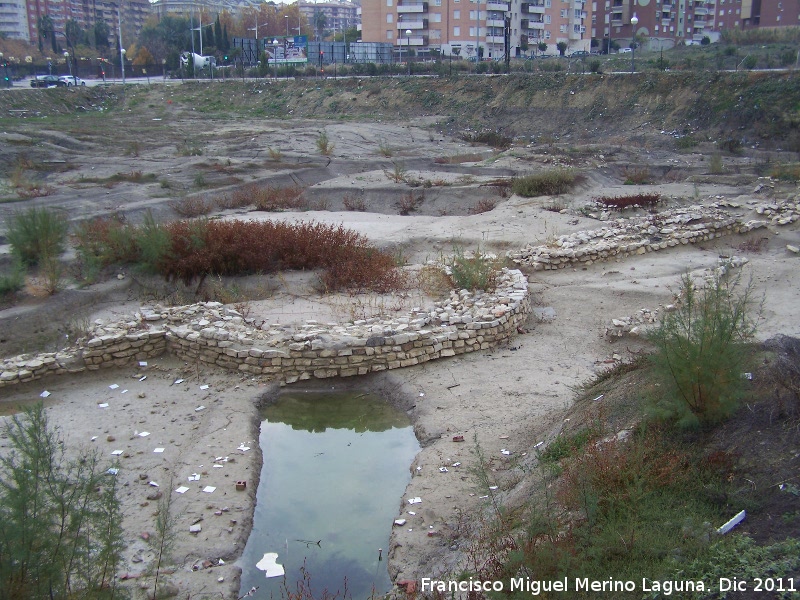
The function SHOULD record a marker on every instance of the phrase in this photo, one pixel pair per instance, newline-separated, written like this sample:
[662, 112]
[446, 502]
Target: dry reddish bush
[201, 248]
[191, 206]
[408, 203]
[482, 206]
[238, 198]
[621, 202]
[274, 199]
[355, 203]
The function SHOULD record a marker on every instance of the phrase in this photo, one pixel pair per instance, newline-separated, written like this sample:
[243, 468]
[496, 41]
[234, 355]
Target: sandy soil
[507, 399]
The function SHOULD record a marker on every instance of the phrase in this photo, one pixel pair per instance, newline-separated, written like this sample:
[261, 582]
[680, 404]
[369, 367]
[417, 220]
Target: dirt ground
[503, 401]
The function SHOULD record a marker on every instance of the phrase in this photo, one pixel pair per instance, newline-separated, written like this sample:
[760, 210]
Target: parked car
[625, 50]
[70, 80]
[579, 53]
[46, 81]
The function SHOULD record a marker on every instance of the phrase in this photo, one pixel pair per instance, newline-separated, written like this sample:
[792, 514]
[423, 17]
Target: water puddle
[335, 468]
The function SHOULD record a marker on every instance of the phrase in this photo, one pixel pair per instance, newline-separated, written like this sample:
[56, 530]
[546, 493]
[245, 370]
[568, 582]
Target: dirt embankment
[751, 108]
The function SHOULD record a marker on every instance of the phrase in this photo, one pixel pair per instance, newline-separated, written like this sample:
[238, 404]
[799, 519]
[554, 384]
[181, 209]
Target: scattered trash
[142, 363]
[482, 497]
[217, 466]
[600, 397]
[209, 489]
[270, 566]
[538, 444]
[199, 408]
[747, 376]
[503, 437]
[103, 405]
[124, 392]
[458, 438]
[158, 450]
[94, 437]
[117, 452]
[113, 386]
[506, 452]
[421, 394]
[194, 477]
[204, 387]
[456, 464]
[144, 434]
[44, 394]
[241, 486]
[732, 523]
[152, 483]
[416, 500]
[112, 471]
[195, 528]
[443, 469]
[399, 522]
[143, 377]
[243, 448]
[492, 487]
[177, 381]
[220, 579]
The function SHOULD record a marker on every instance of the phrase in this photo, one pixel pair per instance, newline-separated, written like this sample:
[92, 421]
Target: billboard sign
[292, 49]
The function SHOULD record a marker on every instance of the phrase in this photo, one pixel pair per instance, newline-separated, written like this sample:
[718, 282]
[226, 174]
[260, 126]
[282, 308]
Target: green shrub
[701, 351]
[12, 282]
[60, 518]
[37, 234]
[323, 144]
[153, 242]
[476, 272]
[548, 183]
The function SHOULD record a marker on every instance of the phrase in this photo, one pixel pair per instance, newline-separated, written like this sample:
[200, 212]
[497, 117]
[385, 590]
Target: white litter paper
[152, 483]
[177, 381]
[144, 434]
[112, 471]
[182, 490]
[142, 363]
[117, 452]
[270, 566]
[443, 469]
[124, 392]
[400, 522]
[44, 394]
[209, 489]
[143, 377]
[199, 408]
[243, 448]
[159, 450]
[416, 500]
[492, 487]
[194, 477]
[103, 405]
[204, 387]
[217, 466]
[504, 451]
[113, 386]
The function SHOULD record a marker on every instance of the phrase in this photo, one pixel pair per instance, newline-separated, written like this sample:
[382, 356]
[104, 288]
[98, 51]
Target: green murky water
[335, 468]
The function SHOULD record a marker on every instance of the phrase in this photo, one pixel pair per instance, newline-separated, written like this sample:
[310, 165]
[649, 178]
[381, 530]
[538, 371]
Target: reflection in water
[335, 467]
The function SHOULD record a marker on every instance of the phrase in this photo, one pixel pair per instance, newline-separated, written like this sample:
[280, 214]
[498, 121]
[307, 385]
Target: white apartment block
[13, 19]
[459, 27]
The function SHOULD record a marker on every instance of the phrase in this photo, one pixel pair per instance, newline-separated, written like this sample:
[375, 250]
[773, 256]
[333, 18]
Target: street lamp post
[408, 47]
[287, 24]
[122, 64]
[634, 23]
[275, 43]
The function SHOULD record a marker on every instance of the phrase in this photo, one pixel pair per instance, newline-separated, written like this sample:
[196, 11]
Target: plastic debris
[112, 471]
[732, 523]
[152, 483]
[204, 387]
[416, 500]
[143, 434]
[143, 377]
[158, 450]
[209, 489]
[443, 469]
[117, 452]
[182, 490]
[103, 405]
[456, 464]
[399, 522]
[44, 394]
[269, 564]
[505, 452]
[113, 386]
[194, 477]
[492, 487]
[142, 363]
[199, 408]
[243, 448]
[177, 381]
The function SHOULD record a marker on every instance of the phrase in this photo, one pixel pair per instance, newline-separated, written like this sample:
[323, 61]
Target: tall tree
[101, 34]
[320, 20]
[45, 29]
[73, 32]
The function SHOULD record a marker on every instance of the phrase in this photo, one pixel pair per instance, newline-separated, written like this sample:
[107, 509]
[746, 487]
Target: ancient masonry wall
[212, 334]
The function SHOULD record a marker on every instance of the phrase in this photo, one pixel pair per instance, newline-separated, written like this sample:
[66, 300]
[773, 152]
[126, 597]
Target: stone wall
[212, 334]
[622, 238]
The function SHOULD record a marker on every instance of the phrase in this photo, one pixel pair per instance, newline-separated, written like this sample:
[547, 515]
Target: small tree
[705, 41]
[562, 47]
[701, 351]
[542, 46]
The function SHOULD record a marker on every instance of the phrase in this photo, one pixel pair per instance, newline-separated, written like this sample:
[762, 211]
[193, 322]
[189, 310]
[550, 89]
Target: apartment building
[664, 23]
[339, 16]
[86, 12]
[13, 20]
[748, 14]
[467, 27]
